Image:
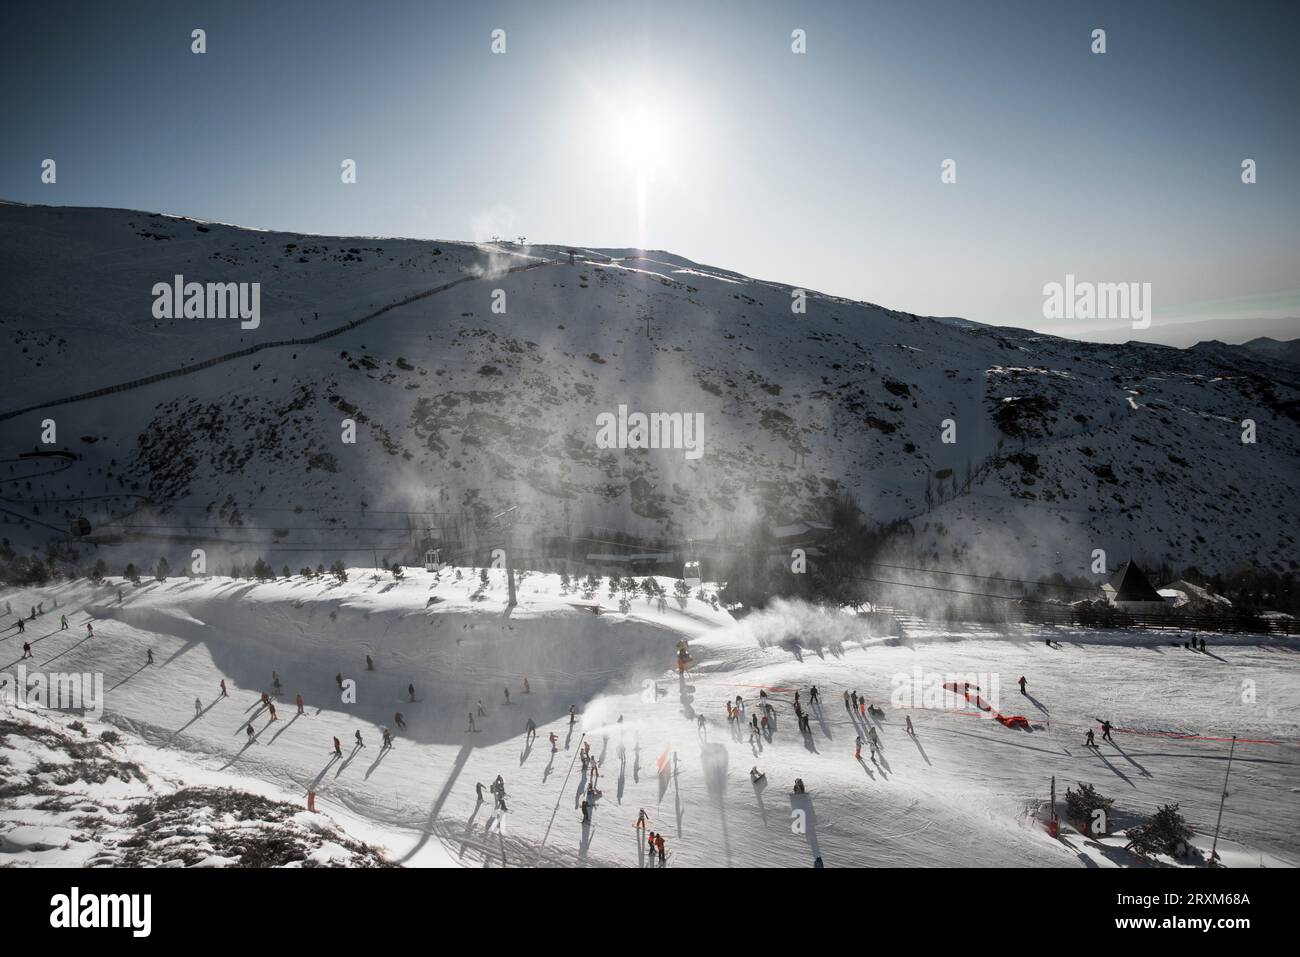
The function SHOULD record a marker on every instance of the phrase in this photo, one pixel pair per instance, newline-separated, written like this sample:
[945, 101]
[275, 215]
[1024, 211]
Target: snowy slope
[966, 790]
[464, 411]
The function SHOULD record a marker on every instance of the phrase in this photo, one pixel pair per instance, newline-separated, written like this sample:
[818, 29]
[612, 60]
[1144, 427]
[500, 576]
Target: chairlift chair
[691, 574]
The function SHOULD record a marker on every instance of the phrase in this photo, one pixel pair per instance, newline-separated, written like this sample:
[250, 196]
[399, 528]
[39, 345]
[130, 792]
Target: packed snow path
[262, 346]
[963, 791]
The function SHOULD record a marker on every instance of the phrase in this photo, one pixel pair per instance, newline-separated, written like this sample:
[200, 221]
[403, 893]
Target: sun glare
[641, 141]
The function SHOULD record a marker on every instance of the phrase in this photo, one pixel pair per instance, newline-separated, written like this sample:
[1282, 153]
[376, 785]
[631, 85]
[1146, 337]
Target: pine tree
[1166, 833]
[1080, 804]
[163, 570]
[131, 574]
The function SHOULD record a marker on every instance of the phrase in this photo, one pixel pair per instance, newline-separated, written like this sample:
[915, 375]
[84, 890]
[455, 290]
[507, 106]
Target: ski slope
[964, 791]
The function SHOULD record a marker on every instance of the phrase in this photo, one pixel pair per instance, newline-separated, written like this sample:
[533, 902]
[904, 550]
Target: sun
[641, 140]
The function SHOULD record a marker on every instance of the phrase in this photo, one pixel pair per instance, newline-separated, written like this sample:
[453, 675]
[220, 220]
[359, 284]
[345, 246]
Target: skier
[360, 743]
[90, 630]
[1091, 741]
[530, 730]
[21, 626]
[274, 716]
[641, 819]
[338, 747]
[388, 740]
[507, 691]
[527, 689]
[482, 713]
[586, 813]
[198, 707]
[478, 789]
[1022, 684]
[659, 846]
[1105, 732]
[224, 693]
[699, 722]
[298, 701]
[874, 738]
[410, 690]
[910, 729]
[338, 680]
[148, 654]
[397, 720]
[63, 623]
[27, 650]
[650, 842]
[798, 786]
[370, 664]
[854, 696]
[266, 699]
[862, 707]
[249, 731]
[857, 749]
[275, 681]
[573, 715]
[553, 739]
[471, 727]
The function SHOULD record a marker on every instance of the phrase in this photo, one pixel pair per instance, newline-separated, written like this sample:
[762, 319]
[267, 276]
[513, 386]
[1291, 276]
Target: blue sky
[692, 127]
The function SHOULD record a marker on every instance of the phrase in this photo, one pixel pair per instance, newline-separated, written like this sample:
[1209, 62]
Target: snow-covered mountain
[475, 375]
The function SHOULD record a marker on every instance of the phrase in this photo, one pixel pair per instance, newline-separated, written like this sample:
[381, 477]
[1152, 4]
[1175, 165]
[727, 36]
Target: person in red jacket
[223, 689]
[298, 701]
[659, 846]
[338, 747]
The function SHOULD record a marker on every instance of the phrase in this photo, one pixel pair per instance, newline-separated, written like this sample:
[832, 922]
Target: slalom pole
[1214, 848]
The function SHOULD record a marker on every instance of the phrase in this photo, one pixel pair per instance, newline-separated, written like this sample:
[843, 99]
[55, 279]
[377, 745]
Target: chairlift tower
[506, 521]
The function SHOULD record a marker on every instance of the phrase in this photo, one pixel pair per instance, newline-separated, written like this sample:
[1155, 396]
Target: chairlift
[433, 560]
[691, 574]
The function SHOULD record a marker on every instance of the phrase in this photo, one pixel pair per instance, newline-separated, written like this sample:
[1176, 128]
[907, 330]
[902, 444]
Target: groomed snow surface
[964, 791]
